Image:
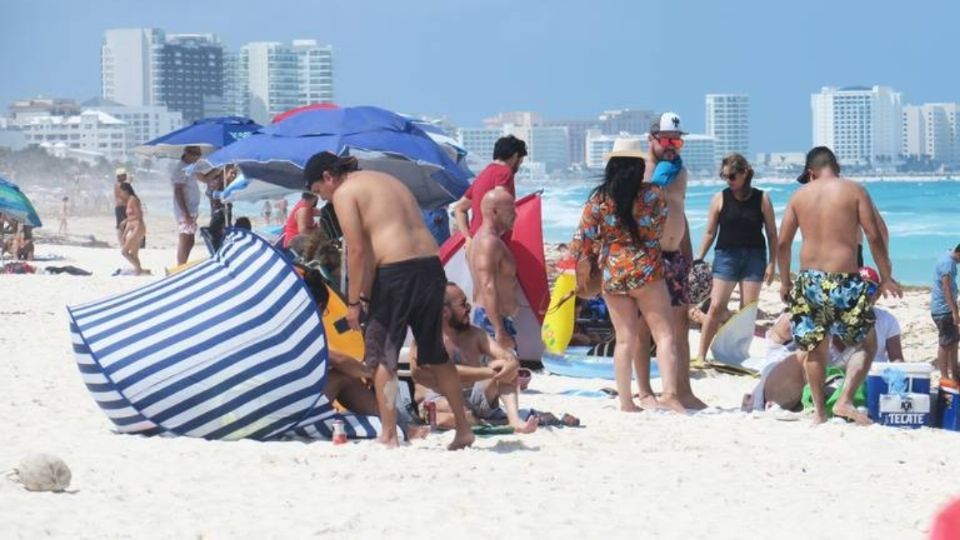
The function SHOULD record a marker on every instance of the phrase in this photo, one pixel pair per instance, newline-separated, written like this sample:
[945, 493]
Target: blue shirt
[946, 266]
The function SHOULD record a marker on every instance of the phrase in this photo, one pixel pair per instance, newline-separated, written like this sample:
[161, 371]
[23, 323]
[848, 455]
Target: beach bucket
[898, 394]
[948, 405]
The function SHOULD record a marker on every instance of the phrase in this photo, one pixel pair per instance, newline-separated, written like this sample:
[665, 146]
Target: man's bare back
[389, 217]
[830, 214]
[489, 258]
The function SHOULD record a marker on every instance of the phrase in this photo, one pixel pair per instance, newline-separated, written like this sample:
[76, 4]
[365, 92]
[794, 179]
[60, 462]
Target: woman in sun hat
[620, 230]
[742, 256]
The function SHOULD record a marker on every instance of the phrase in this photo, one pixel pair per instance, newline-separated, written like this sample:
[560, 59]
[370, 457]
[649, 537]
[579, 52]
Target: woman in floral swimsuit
[621, 226]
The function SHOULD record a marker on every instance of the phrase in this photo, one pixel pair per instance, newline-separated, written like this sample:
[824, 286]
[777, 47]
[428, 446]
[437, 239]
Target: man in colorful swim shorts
[829, 297]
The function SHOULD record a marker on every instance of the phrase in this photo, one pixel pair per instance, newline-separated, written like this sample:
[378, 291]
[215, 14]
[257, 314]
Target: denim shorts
[739, 264]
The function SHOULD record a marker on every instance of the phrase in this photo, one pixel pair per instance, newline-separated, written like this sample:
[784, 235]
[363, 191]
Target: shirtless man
[830, 298]
[493, 269]
[395, 277]
[487, 371]
[666, 140]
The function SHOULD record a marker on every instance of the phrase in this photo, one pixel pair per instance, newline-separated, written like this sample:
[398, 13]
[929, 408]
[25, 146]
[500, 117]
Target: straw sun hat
[626, 147]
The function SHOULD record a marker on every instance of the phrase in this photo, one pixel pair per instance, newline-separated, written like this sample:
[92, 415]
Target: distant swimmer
[395, 277]
[829, 297]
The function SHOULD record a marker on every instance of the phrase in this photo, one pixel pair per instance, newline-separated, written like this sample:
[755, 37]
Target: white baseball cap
[669, 121]
[121, 171]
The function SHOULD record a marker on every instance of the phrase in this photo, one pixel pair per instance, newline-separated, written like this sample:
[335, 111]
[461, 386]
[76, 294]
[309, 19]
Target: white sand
[624, 476]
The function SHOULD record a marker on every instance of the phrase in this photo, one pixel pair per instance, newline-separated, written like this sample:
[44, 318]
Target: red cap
[869, 274]
[946, 525]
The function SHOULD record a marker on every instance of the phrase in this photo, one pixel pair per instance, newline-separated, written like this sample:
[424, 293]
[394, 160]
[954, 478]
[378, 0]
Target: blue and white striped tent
[231, 348]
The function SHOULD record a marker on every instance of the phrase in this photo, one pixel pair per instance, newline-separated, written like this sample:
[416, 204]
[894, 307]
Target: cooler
[948, 405]
[898, 394]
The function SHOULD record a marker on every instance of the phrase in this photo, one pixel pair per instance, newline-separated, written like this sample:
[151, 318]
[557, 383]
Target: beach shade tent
[379, 139]
[297, 110]
[209, 134]
[15, 206]
[526, 245]
[230, 348]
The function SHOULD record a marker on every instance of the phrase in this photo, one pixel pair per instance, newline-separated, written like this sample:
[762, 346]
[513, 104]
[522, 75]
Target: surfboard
[575, 362]
[731, 347]
[340, 337]
[526, 245]
[559, 321]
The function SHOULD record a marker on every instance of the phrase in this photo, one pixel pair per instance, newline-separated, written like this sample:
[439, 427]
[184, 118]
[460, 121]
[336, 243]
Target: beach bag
[589, 277]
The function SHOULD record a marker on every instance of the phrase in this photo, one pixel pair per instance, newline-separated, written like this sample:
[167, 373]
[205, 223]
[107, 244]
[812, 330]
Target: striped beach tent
[231, 348]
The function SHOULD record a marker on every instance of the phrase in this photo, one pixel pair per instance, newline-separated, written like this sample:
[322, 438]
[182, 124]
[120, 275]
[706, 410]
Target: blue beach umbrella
[379, 139]
[16, 206]
[208, 133]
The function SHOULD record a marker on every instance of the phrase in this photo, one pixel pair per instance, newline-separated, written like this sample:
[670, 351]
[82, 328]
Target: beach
[723, 475]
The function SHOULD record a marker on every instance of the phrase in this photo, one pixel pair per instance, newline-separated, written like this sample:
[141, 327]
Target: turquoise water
[920, 216]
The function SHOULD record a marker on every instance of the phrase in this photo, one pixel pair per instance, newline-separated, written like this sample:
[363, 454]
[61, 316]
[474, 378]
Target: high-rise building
[699, 155]
[549, 145]
[517, 118]
[479, 143]
[862, 125]
[143, 122]
[129, 65]
[279, 77]
[728, 122]
[315, 71]
[617, 121]
[145, 66]
[21, 111]
[191, 73]
[235, 100]
[597, 145]
[932, 130]
[576, 136]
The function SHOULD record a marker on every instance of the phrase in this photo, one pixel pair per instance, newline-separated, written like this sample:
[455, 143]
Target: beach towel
[666, 172]
[230, 348]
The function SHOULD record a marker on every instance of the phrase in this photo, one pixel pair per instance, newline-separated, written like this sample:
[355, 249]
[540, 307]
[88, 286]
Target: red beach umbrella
[287, 114]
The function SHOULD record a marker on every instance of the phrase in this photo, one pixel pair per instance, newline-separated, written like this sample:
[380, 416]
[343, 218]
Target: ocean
[919, 215]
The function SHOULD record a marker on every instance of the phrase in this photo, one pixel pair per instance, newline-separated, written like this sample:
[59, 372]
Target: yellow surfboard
[558, 322]
[340, 337]
[187, 265]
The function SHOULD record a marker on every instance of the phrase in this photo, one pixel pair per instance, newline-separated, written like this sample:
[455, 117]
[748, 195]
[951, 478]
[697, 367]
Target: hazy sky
[469, 59]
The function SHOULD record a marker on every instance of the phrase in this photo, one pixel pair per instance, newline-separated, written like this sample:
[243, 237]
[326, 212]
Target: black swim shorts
[408, 293]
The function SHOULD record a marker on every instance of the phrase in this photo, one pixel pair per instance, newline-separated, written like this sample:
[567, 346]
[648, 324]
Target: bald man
[493, 269]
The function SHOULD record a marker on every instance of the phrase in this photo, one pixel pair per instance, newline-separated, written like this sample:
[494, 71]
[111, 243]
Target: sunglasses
[675, 142]
[729, 177]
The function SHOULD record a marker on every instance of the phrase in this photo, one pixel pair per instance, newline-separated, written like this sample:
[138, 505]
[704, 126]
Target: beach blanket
[230, 348]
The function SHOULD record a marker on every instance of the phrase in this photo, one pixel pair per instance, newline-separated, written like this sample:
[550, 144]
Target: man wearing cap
[395, 277]
[665, 169]
[829, 297]
[186, 202]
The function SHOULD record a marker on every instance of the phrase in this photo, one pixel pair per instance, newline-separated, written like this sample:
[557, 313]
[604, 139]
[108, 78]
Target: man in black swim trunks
[395, 277]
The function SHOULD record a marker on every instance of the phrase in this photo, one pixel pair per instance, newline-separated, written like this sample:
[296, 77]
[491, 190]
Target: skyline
[448, 54]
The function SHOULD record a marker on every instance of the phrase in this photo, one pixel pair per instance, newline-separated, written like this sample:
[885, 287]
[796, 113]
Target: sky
[470, 59]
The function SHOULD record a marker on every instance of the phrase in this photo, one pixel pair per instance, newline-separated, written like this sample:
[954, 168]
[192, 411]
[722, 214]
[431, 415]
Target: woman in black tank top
[742, 256]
